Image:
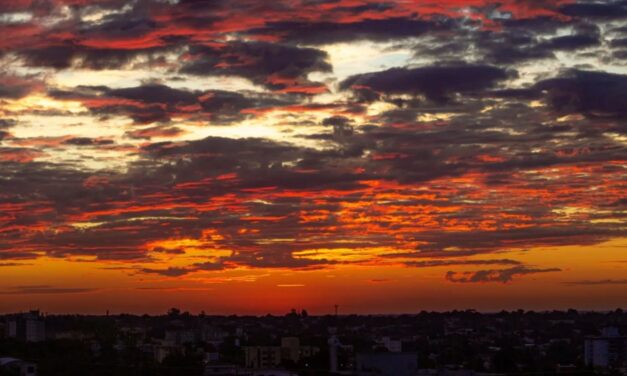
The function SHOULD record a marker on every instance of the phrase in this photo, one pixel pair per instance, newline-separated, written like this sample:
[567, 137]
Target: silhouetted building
[262, 356]
[13, 366]
[606, 351]
[387, 364]
[271, 372]
[334, 344]
[392, 345]
[29, 327]
[272, 356]
[222, 370]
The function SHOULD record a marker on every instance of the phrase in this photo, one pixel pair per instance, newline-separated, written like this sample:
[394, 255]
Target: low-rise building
[291, 350]
[165, 349]
[18, 366]
[272, 372]
[262, 356]
[387, 364]
[392, 345]
[222, 370]
[179, 336]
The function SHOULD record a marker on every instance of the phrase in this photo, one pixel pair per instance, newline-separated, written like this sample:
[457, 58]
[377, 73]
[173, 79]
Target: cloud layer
[186, 137]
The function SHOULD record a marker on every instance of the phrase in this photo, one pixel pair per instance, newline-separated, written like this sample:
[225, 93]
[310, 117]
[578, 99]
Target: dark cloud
[435, 82]
[12, 264]
[598, 282]
[117, 27]
[517, 42]
[619, 43]
[170, 251]
[154, 93]
[15, 87]
[477, 242]
[274, 66]
[86, 141]
[178, 272]
[571, 42]
[169, 272]
[321, 33]
[158, 131]
[45, 289]
[337, 121]
[16, 255]
[7, 123]
[589, 92]
[278, 260]
[499, 275]
[72, 56]
[227, 106]
[152, 103]
[607, 10]
[437, 263]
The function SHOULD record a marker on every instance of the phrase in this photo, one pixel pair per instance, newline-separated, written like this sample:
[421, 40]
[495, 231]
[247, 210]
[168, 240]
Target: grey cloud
[45, 290]
[598, 282]
[438, 263]
[499, 275]
[322, 33]
[435, 82]
[263, 63]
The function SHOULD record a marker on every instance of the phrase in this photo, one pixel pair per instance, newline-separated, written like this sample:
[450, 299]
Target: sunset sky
[251, 156]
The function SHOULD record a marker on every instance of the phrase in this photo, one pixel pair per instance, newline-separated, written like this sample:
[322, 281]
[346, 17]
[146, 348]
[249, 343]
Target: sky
[249, 156]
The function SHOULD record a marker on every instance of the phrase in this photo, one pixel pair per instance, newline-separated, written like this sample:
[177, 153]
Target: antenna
[336, 309]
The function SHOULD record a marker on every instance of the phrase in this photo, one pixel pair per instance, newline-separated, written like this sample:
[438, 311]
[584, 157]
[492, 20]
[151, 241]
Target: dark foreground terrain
[428, 343]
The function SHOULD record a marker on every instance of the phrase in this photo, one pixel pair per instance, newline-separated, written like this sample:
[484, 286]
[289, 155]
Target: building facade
[606, 351]
[28, 327]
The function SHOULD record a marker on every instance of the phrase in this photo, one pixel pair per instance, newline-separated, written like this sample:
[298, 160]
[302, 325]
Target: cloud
[589, 92]
[7, 123]
[446, 157]
[178, 272]
[336, 121]
[68, 55]
[45, 290]
[16, 87]
[500, 275]
[86, 141]
[571, 42]
[380, 280]
[435, 82]
[604, 10]
[169, 272]
[12, 264]
[598, 282]
[438, 263]
[321, 33]
[158, 131]
[150, 103]
[155, 93]
[275, 66]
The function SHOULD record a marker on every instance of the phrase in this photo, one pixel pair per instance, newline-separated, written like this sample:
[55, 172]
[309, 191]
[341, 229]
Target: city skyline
[251, 157]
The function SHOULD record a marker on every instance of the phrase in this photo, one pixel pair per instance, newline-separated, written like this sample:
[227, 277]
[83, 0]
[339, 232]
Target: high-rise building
[609, 350]
[29, 327]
